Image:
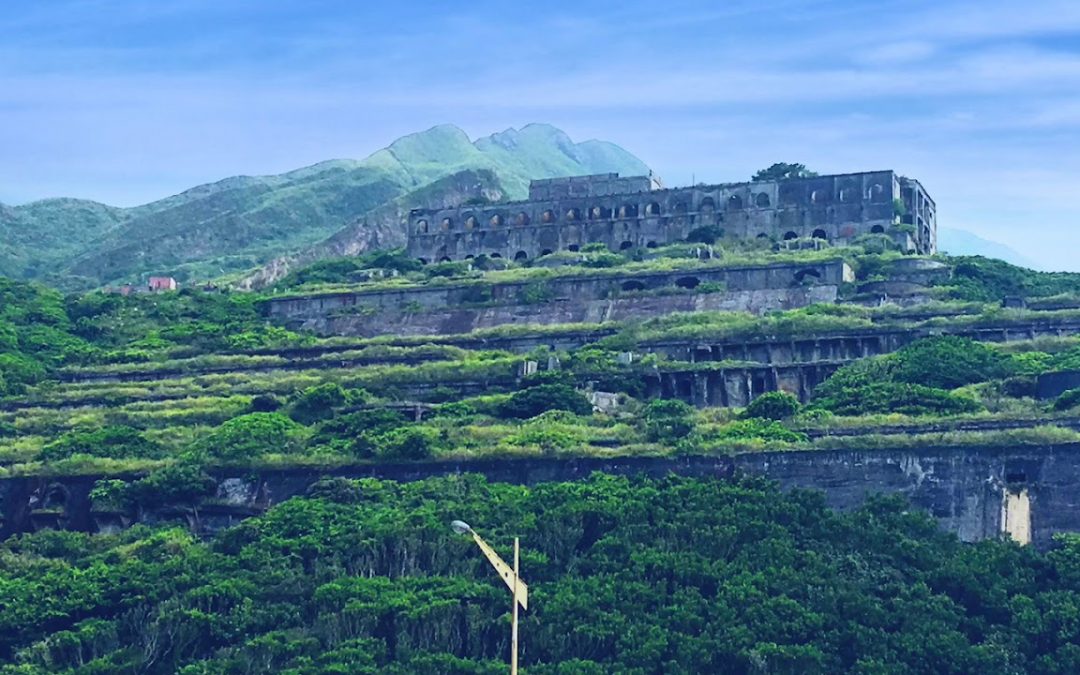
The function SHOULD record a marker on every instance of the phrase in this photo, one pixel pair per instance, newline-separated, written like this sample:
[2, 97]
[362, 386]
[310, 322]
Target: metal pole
[514, 625]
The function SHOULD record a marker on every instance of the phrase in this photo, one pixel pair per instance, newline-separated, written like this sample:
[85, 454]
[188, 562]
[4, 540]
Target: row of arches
[652, 209]
[522, 255]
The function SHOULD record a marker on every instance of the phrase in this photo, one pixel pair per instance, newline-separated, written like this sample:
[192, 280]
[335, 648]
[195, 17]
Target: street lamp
[518, 589]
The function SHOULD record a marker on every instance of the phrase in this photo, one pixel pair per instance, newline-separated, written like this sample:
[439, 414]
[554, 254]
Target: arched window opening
[573, 247]
[573, 214]
[762, 200]
[522, 218]
[470, 257]
[707, 205]
[447, 223]
[734, 202]
[819, 234]
[651, 244]
[847, 194]
[546, 251]
[55, 498]
[687, 282]
[548, 216]
[762, 235]
[496, 220]
[470, 222]
[423, 261]
[521, 255]
[633, 285]
[877, 229]
[789, 235]
[628, 211]
[808, 272]
[817, 197]
[495, 255]
[875, 191]
[599, 213]
[626, 245]
[680, 208]
[445, 258]
[422, 226]
[652, 209]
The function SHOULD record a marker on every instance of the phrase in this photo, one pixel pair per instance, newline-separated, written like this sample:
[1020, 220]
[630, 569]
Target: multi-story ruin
[564, 214]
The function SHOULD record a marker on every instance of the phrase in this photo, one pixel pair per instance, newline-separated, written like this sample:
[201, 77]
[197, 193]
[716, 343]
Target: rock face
[976, 493]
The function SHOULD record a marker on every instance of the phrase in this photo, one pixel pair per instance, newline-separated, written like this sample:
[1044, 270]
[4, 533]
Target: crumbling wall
[970, 491]
[621, 213]
[458, 308]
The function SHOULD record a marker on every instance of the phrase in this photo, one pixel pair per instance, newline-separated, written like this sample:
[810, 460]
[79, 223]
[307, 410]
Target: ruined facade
[564, 214]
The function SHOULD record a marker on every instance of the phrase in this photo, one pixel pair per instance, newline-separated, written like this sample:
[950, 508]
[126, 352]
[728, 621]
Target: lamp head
[460, 527]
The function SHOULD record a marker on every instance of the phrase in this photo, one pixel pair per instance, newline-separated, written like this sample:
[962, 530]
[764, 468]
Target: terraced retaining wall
[972, 492]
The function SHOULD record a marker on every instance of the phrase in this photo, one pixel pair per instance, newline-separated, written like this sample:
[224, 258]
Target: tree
[783, 171]
[667, 420]
[319, 402]
[541, 398]
[774, 405]
[116, 442]
[251, 435]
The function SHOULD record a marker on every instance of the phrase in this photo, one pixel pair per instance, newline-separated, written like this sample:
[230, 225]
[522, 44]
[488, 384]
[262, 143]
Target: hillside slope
[242, 222]
[381, 228]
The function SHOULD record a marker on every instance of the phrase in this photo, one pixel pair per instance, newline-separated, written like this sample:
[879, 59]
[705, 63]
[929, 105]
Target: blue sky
[126, 101]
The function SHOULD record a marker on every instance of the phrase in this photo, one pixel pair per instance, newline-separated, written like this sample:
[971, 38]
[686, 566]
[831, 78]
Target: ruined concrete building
[564, 214]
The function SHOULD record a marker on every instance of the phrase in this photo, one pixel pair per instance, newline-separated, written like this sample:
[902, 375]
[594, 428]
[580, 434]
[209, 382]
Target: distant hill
[245, 222]
[962, 242]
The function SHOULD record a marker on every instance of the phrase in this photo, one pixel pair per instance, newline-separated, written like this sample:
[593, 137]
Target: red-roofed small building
[159, 284]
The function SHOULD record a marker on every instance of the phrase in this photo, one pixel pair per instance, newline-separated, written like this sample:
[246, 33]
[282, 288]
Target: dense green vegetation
[150, 380]
[157, 395]
[632, 576]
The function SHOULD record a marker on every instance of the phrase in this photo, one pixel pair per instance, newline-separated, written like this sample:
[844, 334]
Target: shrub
[6, 428]
[541, 398]
[115, 442]
[264, 403]
[947, 362]
[18, 370]
[318, 403]
[775, 405]
[109, 494]
[335, 489]
[898, 397]
[668, 420]
[1019, 386]
[759, 429]
[252, 435]
[705, 234]
[1068, 400]
[408, 443]
[358, 433]
[174, 485]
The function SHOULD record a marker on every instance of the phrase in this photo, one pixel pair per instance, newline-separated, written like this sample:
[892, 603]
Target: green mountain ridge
[243, 222]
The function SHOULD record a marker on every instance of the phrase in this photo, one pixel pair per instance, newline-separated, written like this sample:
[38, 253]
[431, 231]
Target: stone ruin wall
[460, 308]
[974, 492]
[565, 214]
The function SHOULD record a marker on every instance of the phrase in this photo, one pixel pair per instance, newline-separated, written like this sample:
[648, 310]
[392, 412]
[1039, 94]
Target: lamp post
[518, 589]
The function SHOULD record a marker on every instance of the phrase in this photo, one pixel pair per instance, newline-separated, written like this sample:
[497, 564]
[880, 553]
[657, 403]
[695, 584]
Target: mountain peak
[235, 224]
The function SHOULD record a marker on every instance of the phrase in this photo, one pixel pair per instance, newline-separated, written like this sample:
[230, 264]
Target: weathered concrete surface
[964, 488]
[461, 307]
[1052, 385]
[562, 311]
[567, 213]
